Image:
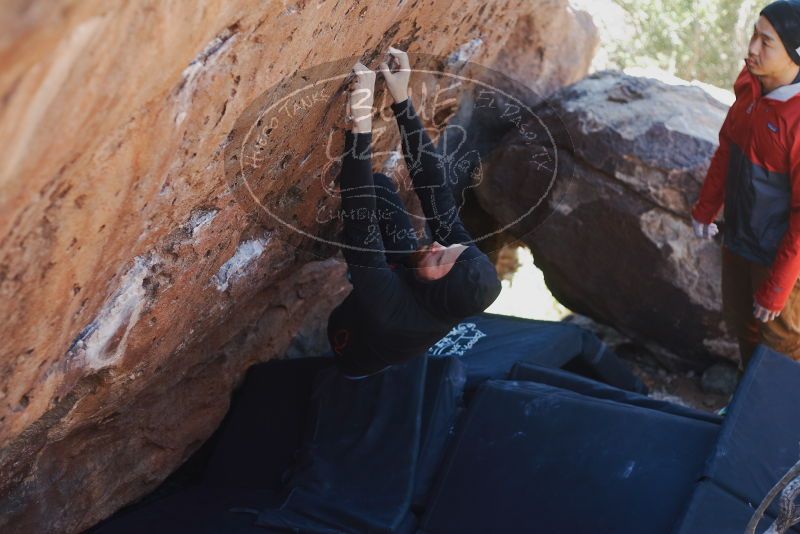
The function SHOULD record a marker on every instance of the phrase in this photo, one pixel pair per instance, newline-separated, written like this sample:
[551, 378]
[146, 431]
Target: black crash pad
[356, 469]
[255, 451]
[265, 425]
[529, 457]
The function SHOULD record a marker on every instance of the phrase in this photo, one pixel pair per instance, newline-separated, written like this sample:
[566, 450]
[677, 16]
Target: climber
[405, 296]
[755, 172]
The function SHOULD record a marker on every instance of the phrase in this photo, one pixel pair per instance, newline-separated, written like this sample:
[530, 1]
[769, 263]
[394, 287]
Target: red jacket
[755, 173]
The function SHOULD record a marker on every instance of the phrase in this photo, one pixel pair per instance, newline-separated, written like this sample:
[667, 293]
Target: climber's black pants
[399, 240]
[397, 232]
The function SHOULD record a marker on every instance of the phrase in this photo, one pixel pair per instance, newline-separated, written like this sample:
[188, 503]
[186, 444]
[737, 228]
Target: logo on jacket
[772, 127]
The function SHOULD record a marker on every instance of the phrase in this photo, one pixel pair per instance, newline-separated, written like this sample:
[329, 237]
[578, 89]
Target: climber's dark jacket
[390, 315]
[755, 172]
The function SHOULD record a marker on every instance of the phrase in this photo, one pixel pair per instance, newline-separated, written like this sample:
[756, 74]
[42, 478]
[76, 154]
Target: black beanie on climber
[784, 15]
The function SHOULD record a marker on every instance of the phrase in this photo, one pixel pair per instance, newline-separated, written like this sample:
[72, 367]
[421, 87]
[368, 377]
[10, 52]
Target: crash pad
[586, 386]
[265, 425]
[196, 509]
[759, 440]
[532, 457]
[441, 405]
[712, 509]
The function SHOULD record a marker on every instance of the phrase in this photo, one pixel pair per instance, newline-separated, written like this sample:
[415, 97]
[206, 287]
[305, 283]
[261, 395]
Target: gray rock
[607, 216]
[720, 378]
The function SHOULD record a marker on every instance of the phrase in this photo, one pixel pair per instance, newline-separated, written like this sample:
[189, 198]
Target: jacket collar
[781, 94]
[785, 92]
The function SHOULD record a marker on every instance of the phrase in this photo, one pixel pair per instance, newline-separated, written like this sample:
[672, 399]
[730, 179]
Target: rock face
[135, 287]
[613, 237]
[558, 46]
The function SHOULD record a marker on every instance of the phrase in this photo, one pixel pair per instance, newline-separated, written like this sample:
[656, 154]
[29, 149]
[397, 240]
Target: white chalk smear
[201, 63]
[198, 220]
[120, 311]
[465, 52]
[245, 253]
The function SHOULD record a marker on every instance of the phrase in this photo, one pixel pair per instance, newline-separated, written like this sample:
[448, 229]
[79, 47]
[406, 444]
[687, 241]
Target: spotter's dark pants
[741, 278]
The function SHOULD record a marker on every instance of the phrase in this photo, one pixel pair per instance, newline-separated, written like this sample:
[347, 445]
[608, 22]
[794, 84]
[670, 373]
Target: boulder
[602, 195]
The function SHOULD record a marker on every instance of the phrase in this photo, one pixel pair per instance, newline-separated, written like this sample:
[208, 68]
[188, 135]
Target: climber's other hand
[397, 81]
[361, 97]
[704, 230]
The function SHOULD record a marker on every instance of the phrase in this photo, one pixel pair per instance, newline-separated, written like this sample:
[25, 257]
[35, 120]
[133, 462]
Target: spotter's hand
[763, 314]
[704, 230]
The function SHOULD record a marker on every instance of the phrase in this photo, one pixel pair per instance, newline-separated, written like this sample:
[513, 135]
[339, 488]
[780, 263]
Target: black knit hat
[784, 15]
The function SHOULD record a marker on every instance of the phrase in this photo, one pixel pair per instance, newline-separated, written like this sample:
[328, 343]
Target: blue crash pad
[760, 436]
[714, 510]
[531, 457]
[586, 386]
[441, 405]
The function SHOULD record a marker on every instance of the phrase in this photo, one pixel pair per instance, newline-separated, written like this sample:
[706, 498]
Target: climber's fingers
[391, 62]
[388, 75]
[401, 57]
